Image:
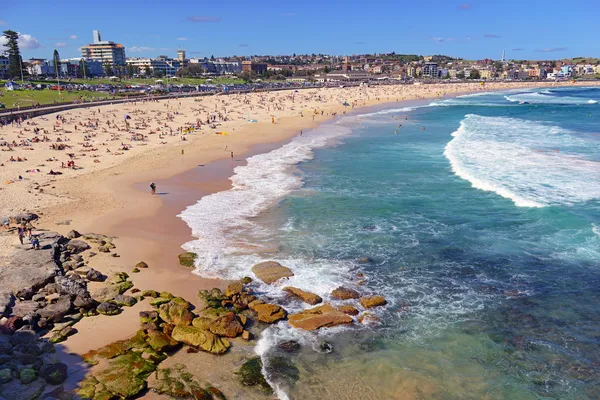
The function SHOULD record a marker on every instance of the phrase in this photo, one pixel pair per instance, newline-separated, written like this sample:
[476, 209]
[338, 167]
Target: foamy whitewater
[481, 229]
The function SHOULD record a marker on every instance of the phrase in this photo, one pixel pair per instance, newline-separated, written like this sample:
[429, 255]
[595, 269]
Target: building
[40, 67]
[348, 76]
[4, 66]
[252, 66]
[160, 66]
[104, 51]
[486, 74]
[218, 67]
[181, 57]
[430, 70]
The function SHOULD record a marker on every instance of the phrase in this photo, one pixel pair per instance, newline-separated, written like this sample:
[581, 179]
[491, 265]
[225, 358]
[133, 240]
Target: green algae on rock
[187, 259]
[250, 374]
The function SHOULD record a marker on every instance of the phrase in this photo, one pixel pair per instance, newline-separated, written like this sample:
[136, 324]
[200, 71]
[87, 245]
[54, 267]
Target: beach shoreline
[115, 201]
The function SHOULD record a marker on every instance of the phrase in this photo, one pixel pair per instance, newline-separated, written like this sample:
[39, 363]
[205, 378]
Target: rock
[271, 271]
[6, 300]
[369, 319]
[177, 382]
[5, 375]
[15, 390]
[205, 340]
[77, 246]
[167, 295]
[141, 265]
[348, 310]
[85, 302]
[108, 309]
[94, 276]
[56, 311]
[343, 293]
[270, 313]
[250, 374]
[70, 287]
[150, 293]
[325, 347]
[23, 336]
[103, 249]
[119, 277]
[73, 234]
[227, 326]
[124, 300]
[27, 375]
[242, 300]
[306, 297]
[126, 375]
[106, 293]
[187, 259]
[364, 260]
[372, 301]
[181, 302]
[23, 308]
[160, 342]
[148, 316]
[23, 217]
[159, 301]
[289, 346]
[246, 335]
[234, 288]
[174, 314]
[135, 270]
[69, 265]
[282, 370]
[255, 303]
[324, 316]
[123, 286]
[246, 280]
[54, 374]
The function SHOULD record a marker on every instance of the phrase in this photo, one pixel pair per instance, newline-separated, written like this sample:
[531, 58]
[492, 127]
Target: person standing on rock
[153, 188]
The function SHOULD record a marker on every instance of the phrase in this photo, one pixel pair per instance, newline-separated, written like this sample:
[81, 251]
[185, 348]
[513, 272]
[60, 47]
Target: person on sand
[232, 155]
[21, 232]
[35, 242]
[153, 188]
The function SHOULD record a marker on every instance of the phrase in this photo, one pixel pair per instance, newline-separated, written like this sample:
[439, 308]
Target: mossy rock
[87, 387]
[126, 374]
[246, 280]
[174, 314]
[250, 374]
[160, 342]
[178, 383]
[119, 277]
[141, 265]
[202, 339]
[135, 270]
[150, 293]
[159, 301]
[116, 349]
[187, 259]
[282, 370]
[181, 302]
[148, 316]
[27, 375]
[5, 375]
[124, 286]
[166, 295]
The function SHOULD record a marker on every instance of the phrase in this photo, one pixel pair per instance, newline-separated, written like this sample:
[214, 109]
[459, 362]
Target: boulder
[141, 265]
[26, 307]
[250, 374]
[71, 287]
[15, 390]
[103, 249]
[122, 287]
[54, 374]
[174, 314]
[271, 271]
[108, 309]
[150, 293]
[246, 335]
[5, 375]
[270, 313]
[124, 300]
[348, 310]
[77, 246]
[125, 376]
[368, 318]
[227, 326]
[158, 301]
[187, 259]
[234, 288]
[343, 293]
[324, 316]
[27, 375]
[148, 316]
[159, 341]
[73, 234]
[372, 301]
[289, 346]
[56, 311]
[85, 302]
[94, 276]
[242, 300]
[306, 297]
[105, 293]
[6, 300]
[204, 340]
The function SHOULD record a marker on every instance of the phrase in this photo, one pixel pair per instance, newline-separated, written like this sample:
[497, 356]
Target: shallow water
[484, 233]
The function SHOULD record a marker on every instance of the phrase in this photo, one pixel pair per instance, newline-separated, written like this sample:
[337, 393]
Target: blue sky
[531, 29]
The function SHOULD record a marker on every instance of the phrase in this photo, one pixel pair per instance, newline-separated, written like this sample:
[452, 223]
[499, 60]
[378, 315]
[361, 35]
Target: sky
[534, 29]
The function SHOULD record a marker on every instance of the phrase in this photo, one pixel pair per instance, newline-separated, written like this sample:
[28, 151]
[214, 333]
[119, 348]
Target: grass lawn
[32, 97]
[150, 81]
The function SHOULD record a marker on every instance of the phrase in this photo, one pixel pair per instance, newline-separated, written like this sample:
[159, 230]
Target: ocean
[480, 219]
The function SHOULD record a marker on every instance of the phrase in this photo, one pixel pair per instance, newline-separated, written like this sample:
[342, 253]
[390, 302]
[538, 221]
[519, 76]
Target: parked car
[2, 105]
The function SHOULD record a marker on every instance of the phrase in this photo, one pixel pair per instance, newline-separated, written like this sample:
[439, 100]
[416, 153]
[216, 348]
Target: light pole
[21, 68]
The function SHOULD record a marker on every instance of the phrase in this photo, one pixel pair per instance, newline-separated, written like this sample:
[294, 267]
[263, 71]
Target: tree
[460, 75]
[130, 70]
[212, 58]
[56, 63]
[474, 74]
[14, 55]
[107, 69]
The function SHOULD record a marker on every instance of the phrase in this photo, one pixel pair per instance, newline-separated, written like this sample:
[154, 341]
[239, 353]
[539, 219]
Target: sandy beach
[189, 147]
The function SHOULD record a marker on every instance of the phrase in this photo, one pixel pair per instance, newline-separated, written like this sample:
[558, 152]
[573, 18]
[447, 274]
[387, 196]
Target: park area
[25, 98]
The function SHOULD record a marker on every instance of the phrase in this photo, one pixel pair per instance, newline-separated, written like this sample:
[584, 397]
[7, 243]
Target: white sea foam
[390, 111]
[518, 160]
[545, 98]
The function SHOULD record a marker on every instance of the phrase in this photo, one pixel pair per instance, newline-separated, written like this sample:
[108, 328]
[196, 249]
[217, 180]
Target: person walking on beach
[232, 155]
[21, 232]
[153, 188]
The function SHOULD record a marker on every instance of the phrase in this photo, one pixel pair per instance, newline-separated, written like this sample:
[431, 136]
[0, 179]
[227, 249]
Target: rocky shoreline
[45, 294]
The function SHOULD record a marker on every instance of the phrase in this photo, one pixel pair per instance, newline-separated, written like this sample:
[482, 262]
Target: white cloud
[139, 49]
[182, 38]
[2, 22]
[73, 37]
[60, 44]
[26, 42]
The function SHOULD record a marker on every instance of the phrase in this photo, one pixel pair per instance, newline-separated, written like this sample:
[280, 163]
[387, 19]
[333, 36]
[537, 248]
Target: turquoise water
[481, 218]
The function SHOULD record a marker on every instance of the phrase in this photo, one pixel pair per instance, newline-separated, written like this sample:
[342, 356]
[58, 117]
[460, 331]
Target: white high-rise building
[97, 38]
